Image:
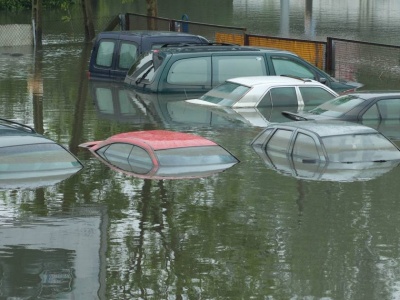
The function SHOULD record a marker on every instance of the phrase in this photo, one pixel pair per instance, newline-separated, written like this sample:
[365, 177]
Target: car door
[125, 54]
[102, 58]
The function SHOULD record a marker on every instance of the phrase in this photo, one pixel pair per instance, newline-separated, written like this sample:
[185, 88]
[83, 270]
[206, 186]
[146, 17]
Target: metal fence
[344, 59]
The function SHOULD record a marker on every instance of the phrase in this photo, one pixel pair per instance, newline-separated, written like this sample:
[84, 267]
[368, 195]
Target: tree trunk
[37, 21]
[152, 12]
[88, 20]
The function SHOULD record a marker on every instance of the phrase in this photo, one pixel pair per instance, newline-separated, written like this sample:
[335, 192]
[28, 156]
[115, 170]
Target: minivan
[114, 52]
[199, 68]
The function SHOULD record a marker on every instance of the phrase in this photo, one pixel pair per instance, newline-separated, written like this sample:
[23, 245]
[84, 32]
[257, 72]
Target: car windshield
[337, 107]
[192, 156]
[37, 157]
[225, 94]
[145, 66]
[360, 148]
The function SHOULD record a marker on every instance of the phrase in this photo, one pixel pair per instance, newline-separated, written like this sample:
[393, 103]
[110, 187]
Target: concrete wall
[16, 35]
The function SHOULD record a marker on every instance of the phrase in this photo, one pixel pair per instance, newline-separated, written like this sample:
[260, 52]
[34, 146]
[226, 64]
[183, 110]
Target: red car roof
[164, 139]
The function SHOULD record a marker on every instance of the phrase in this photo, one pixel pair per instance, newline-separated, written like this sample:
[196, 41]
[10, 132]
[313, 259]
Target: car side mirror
[323, 80]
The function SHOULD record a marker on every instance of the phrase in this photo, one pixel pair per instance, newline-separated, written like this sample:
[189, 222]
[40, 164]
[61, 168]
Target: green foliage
[18, 5]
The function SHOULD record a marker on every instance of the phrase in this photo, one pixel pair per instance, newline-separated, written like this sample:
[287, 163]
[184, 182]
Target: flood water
[250, 232]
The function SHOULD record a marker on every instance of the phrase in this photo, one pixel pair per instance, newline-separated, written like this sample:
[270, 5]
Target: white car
[267, 92]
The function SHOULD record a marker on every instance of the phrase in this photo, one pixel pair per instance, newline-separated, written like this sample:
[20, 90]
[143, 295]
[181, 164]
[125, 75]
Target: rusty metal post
[37, 22]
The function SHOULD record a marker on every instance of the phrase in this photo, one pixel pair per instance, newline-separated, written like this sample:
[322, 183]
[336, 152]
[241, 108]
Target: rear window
[191, 156]
[360, 147]
[105, 53]
[337, 106]
[127, 55]
[225, 94]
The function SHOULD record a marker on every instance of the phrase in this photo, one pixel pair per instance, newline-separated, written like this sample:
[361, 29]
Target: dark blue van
[114, 52]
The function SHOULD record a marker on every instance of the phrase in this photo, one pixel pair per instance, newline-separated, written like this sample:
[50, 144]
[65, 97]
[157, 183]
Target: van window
[105, 53]
[225, 67]
[127, 55]
[190, 71]
[284, 66]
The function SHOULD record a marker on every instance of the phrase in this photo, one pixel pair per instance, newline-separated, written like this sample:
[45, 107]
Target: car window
[285, 66]
[337, 106]
[305, 147]
[140, 160]
[143, 68]
[284, 96]
[190, 71]
[36, 157]
[226, 94]
[280, 140]
[372, 113]
[266, 101]
[315, 95]
[360, 147]
[105, 53]
[389, 108]
[127, 157]
[127, 55]
[190, 156]
[225, 67]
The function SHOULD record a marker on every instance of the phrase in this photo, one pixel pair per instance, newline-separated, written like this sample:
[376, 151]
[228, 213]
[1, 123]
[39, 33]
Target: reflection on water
[245, 233]
[51, 257]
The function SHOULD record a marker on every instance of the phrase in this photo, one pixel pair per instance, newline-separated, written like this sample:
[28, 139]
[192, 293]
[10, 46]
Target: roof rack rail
[196, 44]
[17, 125]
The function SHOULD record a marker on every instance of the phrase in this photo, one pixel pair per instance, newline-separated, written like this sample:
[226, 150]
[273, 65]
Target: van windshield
[145, 66]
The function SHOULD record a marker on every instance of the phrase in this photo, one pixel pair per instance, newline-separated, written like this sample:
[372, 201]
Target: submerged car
[198, 69]
[30, 160]
[114, 52]
[162, 154]
[377, 109]
[359, 106]
[326, 150]
[267, 91]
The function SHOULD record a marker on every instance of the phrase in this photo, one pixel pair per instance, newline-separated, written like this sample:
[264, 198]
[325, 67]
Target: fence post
[185, 25]
[127, 22]
[329, 66]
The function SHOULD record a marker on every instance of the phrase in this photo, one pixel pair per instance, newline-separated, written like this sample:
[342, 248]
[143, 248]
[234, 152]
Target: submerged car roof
[273, 80]
[164, 139]
[325, 128]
